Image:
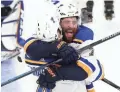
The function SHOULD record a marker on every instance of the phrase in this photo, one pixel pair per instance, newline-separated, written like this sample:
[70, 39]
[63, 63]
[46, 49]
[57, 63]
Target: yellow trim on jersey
[60, 44]
[91, 90]
[28, 43]
[85, 67]
[35, 62]
[103, 73]
[78, 40]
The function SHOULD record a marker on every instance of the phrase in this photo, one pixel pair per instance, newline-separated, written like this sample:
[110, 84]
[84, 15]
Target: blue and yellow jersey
[42, 61]
[89, 65]
[83, 34]
[90, 87]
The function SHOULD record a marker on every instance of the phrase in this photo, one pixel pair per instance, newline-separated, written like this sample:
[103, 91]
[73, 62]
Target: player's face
[69, 27]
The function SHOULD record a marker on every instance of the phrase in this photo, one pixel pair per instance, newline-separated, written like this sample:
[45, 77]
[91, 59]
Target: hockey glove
[67, 53]
[48, 78]
[52, 74]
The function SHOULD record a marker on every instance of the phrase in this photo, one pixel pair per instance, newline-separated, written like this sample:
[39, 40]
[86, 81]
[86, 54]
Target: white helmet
[67, 10]
[47, 24]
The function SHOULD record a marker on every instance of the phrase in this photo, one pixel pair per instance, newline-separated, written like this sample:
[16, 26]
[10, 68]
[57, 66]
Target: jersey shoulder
[84, 33]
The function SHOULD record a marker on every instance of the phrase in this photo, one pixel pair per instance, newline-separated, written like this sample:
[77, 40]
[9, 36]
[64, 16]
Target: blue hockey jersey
[36, 47]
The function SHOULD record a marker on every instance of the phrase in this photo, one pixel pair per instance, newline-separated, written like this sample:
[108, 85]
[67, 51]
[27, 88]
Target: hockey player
[66, 27]
[72, 33]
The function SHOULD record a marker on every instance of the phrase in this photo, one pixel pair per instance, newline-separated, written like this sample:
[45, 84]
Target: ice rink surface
[108, 53]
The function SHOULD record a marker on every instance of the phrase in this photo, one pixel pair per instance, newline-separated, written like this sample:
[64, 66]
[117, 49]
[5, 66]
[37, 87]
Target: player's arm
[88, 62]
[84, 38]
[38, 49]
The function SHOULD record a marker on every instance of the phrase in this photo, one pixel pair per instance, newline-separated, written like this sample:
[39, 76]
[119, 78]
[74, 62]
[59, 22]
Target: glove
[42, 81]
[67, 53]
[5, 11]
[48, 78]
[52, 74]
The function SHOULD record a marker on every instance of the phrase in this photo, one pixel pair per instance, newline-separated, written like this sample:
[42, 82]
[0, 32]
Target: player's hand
[48, 77]
[67, 53]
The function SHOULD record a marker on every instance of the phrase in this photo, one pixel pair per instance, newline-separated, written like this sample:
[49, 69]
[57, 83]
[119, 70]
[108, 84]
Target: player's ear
[59, 34]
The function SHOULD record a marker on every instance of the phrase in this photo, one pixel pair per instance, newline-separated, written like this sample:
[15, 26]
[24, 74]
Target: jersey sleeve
[90, 87]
